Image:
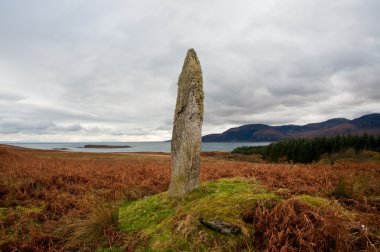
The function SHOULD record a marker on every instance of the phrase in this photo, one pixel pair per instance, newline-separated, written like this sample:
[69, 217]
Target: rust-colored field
[42, 192]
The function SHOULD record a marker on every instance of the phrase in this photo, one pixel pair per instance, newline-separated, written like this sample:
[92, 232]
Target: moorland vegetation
[65, 201]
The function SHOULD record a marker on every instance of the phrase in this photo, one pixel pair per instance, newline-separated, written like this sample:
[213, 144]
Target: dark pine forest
[308, 150]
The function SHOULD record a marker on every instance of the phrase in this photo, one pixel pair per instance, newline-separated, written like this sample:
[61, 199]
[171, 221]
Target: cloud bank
[108, 70]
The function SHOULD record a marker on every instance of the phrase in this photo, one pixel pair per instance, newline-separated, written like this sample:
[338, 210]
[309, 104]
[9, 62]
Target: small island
[105, 146]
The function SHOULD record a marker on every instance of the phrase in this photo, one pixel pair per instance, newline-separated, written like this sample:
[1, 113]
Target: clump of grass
[313, 201]
[360, 185]
[94, 228]
[323, 206]
[366, 185]
[343, 189]
[2, 213]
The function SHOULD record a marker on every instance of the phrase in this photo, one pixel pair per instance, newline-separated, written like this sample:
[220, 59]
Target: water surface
[135, 146]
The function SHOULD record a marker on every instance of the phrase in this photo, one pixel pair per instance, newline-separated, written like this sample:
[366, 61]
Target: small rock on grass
[221, 226]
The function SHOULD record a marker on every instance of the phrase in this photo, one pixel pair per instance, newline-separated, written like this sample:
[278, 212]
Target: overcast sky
[86, 70]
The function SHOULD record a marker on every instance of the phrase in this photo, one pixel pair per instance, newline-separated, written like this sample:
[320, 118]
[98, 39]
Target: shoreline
[104, 146]
[122, 147]
[65, 150]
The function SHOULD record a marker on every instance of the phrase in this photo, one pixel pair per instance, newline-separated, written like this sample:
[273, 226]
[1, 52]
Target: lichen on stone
[187, 127]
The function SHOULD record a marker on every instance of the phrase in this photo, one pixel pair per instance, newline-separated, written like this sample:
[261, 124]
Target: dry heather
[45, 196]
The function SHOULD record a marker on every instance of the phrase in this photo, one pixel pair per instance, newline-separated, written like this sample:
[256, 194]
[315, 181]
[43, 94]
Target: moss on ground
[144, 215]
[313, 201]
[162, 222]
[326, 205]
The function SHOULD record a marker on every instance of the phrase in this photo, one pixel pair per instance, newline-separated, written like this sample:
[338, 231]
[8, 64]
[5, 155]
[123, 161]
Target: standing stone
[186, 138]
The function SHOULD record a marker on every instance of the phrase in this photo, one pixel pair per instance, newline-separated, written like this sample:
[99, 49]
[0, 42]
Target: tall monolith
[186, 137]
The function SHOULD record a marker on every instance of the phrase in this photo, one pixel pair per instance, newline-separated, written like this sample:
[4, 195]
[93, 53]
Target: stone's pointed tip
[191, 56]
[191, 52]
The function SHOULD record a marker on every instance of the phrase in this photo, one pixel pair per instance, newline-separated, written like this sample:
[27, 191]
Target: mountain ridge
[369, 124]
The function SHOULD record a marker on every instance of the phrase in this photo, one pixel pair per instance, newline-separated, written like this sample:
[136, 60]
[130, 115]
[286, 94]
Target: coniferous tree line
[308, 150]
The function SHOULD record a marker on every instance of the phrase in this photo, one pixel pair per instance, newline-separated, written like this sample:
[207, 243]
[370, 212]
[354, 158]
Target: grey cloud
[71, 127]
[13, 126]
[18, 126]
[10, 96]
[109, 69]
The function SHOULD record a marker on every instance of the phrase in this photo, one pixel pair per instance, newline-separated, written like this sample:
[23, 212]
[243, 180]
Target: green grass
[162, 222]
[144, 215]
[23, 218]
[19, 211]
[315, 202]
[3, 211]
[112, 249]
[28, 210]
[326, 204]
[92, 229]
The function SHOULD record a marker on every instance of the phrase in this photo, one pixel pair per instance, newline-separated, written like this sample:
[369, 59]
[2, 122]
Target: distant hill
[263, 133]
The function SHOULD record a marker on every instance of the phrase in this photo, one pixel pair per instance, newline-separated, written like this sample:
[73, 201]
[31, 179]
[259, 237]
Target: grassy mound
[161, 222]
[267, 221]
